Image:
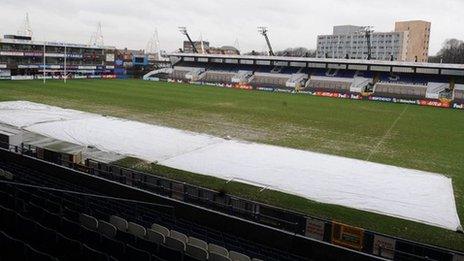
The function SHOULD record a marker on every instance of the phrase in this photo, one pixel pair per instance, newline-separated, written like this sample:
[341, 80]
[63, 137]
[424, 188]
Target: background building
[409, 42]
[418, 40]
[187, 46]
[206, 48]
[20, 55]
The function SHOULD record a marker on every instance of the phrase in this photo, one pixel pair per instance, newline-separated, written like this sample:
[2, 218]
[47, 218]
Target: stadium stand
[220, 231]
[413, 83]
[98, 164]
[218, 76]
[400, 90]
[269, 79]
[459, 93]
[179, 73]
[330, 84]
[53, 213]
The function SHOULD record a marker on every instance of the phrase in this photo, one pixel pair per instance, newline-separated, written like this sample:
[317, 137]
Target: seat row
[150, 239]
[50, 204]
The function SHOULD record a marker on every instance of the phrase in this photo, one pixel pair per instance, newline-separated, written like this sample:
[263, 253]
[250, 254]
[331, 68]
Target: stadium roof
[29, 42]
[344, 64]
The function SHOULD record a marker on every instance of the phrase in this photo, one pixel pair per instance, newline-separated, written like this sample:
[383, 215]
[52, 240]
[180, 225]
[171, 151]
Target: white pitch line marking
[377, 146]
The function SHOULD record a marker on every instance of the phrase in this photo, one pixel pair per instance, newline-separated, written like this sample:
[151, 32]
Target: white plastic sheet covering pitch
[399, 192]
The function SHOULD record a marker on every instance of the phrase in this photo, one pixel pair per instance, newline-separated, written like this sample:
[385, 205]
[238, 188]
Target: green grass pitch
[410, 136]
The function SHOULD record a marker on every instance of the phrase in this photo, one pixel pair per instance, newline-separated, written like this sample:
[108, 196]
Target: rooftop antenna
[26, 29]
[183, 30]
[263, 31]
[96, 39]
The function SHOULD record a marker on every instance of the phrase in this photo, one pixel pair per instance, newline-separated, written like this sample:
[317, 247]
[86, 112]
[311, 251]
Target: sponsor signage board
[22, 77]
[434, 103]
[28, 66]
[86, 67]
[33, 54]
[110, 57]
[5, 73]
[12, 53]
[315, 228]
[347, 236]
[384, 246]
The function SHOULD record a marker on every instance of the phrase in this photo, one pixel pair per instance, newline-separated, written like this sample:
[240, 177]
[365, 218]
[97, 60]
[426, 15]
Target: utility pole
[263, 31]
[44, 63]
[64, 67]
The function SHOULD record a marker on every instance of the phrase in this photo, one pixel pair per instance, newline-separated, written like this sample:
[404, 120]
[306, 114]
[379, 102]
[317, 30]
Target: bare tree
[451, 52]
[297, 52]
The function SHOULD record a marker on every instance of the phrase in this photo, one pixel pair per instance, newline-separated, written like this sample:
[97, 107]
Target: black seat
[12, 248]
[113, 247]
[23, 194]
[34, 211]
[20, 205]
[70, 229]
[125, 237]
[69, 213]
[7, 219]
[67, 249]
[169, 253]
[25, 228]
[52, 206]
[6, 200]
[39, 201]
[51, 220]
[89, 253]
[90, 237]
[45, 238]
[146, 245]
[133, 253]
[35, 255]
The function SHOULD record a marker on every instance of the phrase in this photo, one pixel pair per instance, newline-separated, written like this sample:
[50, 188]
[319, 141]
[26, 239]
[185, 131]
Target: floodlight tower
[367, 31]
[153, 46]
[263, 31]
[183, 30]
[96, 38]
[26, 29]
[237, 45]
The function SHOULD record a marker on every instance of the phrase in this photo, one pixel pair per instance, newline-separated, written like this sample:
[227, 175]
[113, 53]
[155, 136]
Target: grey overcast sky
[291, 23]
